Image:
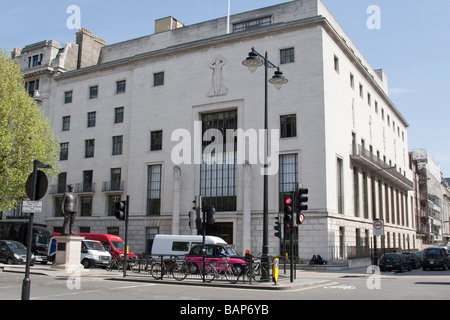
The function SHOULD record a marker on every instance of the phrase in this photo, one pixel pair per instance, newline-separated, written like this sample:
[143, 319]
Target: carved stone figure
[69, 209]
[217, 88]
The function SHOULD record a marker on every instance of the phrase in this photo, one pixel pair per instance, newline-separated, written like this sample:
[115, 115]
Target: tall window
[340, 185]
[118, 115]
[117, 144]
[89, 148]
[64, 151]
[288, 175]
[154, 190]
[218, 169]
[156, 140]
[356, 191]
[91, 117]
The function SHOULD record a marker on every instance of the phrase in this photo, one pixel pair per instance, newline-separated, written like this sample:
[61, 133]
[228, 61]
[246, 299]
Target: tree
[25, 134]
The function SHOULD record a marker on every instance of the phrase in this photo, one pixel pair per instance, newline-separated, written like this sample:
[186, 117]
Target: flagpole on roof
[228, 17]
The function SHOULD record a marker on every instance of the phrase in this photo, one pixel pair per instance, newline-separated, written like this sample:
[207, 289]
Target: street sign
[32, 206]
[378, 228]
[41, 185]
[301, 218]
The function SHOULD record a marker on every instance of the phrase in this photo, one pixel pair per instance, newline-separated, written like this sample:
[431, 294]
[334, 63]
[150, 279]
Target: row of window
[117, 146]
[400, 132]
[121, 86]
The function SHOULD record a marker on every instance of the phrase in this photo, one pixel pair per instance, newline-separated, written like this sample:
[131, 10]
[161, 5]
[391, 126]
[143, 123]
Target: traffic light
[195, 222]
[278, 227]
[121, 210]
[300, 204]
[210, 211]
[288, 203]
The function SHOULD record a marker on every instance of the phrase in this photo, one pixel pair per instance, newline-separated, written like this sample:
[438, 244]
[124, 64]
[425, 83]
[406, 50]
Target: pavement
[303, 278]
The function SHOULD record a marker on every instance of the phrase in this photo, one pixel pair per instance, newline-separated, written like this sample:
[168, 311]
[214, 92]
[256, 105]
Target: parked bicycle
[114, 264]
[160, 268]
[219, 269]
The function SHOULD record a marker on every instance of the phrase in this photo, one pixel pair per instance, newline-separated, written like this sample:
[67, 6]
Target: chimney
[16, 53]
[90, 47]
[166, 24]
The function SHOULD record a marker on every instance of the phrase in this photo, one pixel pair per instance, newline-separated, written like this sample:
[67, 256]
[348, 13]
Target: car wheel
[10, 261]
[86, 263]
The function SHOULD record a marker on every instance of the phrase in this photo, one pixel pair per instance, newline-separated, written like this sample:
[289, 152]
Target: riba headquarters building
[175, 114]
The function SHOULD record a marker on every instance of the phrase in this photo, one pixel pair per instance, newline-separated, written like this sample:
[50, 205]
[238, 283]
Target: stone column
[176, 200]
[246, 209]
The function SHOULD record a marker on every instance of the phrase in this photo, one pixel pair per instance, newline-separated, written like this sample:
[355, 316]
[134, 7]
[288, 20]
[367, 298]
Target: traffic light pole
[125, 249]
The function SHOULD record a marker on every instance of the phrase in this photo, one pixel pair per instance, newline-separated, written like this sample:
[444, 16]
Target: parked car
[394, 261]
[214, 252]
[435, 258]
[413, 259]
[93, 254]
[13, 252]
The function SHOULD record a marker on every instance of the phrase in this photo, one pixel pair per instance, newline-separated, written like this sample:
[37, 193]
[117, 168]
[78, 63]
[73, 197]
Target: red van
[113, 244]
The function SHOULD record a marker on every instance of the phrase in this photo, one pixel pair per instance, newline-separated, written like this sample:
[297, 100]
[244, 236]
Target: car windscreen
[432, 253]
[94, 245]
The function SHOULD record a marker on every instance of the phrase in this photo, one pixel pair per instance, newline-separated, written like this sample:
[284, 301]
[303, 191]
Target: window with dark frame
[156, 140]
[68, 97]
[288, 126]
[93, 92]
[154, 190]
[121, 86]
[119, 114]
[91, 117]
[158, 79]
[117, 145]
[218, 178]
[66, 123]
[64, 151]
[288, 175]
[89, 147]
[287, 56]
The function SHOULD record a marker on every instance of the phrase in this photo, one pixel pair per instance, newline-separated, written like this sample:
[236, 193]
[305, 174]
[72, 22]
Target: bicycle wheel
[232, 274]
[156, 270]
[180, 272]
[210, 272]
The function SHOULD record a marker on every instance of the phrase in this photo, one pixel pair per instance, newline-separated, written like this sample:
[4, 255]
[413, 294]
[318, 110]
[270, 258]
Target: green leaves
[25, 134]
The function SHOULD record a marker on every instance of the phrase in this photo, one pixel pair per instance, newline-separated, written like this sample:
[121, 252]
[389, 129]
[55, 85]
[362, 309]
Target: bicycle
[256, 270]
[142, 265]
[221, 268]
[114, 264]
[159, 269]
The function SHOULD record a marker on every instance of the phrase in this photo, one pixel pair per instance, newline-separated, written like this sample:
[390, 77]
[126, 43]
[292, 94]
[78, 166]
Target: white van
[94, 254]
[178, 245]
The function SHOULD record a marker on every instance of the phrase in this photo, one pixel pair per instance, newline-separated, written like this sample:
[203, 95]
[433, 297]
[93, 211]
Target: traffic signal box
[121, 210]
[288, 211]
[300, 204]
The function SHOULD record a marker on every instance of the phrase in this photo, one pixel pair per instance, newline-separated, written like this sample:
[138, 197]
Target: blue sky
[412, 45]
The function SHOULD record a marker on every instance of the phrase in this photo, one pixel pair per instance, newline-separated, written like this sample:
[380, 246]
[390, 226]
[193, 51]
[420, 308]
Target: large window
[218, 169]
[154, 190]
[288, 175]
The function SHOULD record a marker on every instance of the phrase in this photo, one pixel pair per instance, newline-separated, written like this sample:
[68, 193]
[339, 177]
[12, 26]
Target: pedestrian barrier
[179, 268]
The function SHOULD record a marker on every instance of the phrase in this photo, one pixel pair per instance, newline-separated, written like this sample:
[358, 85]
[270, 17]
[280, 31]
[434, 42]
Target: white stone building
[116, 108]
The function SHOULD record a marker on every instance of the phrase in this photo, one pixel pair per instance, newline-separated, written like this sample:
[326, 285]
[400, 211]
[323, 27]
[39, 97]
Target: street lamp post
[253, 61]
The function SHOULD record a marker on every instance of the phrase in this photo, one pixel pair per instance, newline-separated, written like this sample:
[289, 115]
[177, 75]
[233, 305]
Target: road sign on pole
[378, 228]
[32, 206]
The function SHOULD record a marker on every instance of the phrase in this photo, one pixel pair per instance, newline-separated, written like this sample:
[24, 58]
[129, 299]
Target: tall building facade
[140, 117]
